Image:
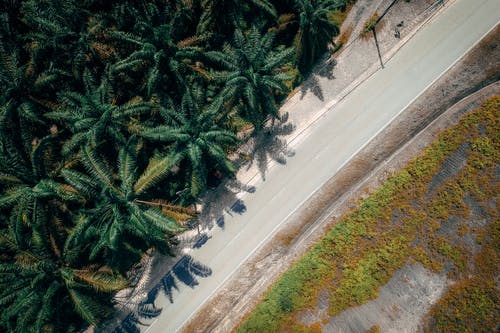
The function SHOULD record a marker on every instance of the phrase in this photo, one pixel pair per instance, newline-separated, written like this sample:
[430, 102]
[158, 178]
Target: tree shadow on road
[311, 84]
[265, 146]
[223, 200]
[262, 148]
[185, 271]
[269, 145]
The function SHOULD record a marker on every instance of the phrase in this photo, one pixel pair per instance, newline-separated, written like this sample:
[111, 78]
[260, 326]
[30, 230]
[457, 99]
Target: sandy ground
[401, 141]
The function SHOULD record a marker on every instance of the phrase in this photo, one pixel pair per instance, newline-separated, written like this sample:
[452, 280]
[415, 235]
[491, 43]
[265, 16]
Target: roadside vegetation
[114, 118]
[370, 24]
[425, 213]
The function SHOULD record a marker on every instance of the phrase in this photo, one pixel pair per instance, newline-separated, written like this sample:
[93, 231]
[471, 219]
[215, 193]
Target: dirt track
[373, 164]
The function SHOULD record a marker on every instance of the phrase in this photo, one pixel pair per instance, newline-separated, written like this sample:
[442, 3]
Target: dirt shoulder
[387, 153]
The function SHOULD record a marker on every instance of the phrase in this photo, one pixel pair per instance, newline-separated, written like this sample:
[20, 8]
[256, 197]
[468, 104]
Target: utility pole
[373, 28]
[385, 11]
[378, 48]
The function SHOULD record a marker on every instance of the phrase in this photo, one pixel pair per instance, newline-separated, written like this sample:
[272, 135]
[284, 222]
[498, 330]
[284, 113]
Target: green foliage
[316, 29]
[253, 74]
[472, 304]
[197, 141]
[372, 21]
[41, 284]
[111, 112]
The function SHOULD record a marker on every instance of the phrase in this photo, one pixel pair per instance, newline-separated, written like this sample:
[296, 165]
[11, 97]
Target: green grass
[364, 248]
[472, 304]
[370, 24]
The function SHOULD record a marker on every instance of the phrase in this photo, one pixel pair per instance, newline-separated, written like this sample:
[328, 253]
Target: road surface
[332, 141]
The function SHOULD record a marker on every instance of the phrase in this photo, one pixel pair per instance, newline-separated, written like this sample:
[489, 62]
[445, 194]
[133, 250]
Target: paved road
[332, 141]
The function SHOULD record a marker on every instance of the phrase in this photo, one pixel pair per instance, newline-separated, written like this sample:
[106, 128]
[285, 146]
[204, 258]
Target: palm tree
[123, 221]
[21, 114]
[222, 16]
[196, 140]
[41, 283]
[166, 62]
[57, 36]
[94, 118]
[254, 73]
[30, 194]
[315, 29]
[42, 290]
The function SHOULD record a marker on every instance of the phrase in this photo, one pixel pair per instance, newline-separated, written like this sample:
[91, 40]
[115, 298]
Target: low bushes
[403, 220]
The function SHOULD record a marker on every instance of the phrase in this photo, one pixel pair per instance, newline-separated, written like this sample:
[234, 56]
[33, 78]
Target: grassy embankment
[423, 213]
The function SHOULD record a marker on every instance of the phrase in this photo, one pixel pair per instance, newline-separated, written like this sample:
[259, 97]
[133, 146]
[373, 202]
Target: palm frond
[85, 185]
[97, 168]
[46, 311]
[164, 134]
[156, 170]
[127, 167]
[49, 187]
[101, 281]
[163, 222]
[265, 6]
[85, 306]
[7, 179]
[198, 173]
[10, 197]
[179, 213]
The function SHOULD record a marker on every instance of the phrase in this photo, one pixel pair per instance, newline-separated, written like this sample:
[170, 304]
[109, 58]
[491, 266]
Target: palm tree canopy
[165, 61]
[41, 287]
[253, 73]
[316, 30]
[197, 138]
[119, 217]
[220, 16]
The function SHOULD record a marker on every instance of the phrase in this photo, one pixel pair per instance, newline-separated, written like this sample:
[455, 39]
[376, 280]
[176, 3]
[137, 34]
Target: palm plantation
[113, 119]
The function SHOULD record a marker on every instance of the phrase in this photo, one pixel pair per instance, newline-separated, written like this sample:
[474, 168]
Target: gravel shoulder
[387, 153]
